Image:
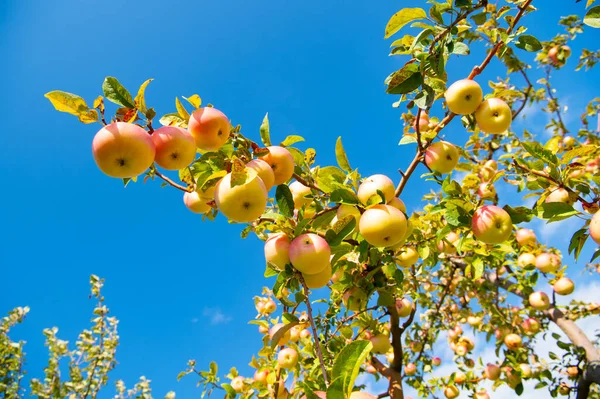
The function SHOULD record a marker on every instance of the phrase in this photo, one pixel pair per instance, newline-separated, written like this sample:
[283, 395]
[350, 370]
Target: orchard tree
[393, 282]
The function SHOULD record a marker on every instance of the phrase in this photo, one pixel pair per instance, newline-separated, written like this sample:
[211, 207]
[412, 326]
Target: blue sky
[182, 288]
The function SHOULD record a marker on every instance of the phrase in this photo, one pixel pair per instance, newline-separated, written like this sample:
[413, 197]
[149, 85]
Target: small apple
[398, 204]
[525, 237]
[564, 286]
[513, 341]
[260, 376]
[196, 203]
[416, 346]
[284, 338]
[277, 250]
[264, 171]
[309, 253]
[461, 350]
[547, 262]
[569, 141]
[451, 391]
[564, 389]
[242, 203]
[481, 395]
[525, 370]
[448, 244]
[281, 162]
[270, 306]
[262, 329]
[492, 372]
[539, 300]
[464, 96]
[369, 187]
[422, 122]
[382, 225]
[238, 384]
[410, 369]
[407, 257]
[305, 334]
[381, 343]
[531, 326]
[442, 157]
[493, 116]
[403, 307]
[474, 320]
[486, 191]
[558, 55]
[209, 127]
[175, 147]
[436, 361]
[572, 371]
[491, 224]
[299, 193]
[460, 377]
[560, 195]
[318, 280]
[595, 228]
[287, 358]
[354, 299]
[526, 259]
[486, 174]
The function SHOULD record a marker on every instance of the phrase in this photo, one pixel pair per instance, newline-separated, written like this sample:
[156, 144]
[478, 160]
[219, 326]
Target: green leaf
[270, 271]
[171, 120]
[577, 152]
[385, 299]
[419, 38]
[340, 155]
[194, 99]
[72, 104]
[462, 3]
[343, 196]
[346, 367]
[537, 151]
[519, 389]
[329, 178]
[595, 255]
[519, 214]
[555, 211]
[115, 92]
[592, 17]
[405, 80]
[577, 242]
[323, 219]
[478, 268]
[480, 18]
[425, 97]
[230, 392]
[285, 200]
[528, 43]
[181, 110]
[240, 174]
[291, 140]
[401, 18]
[436, 15]
[265, 135]
[460, 49]
[277, 336]
[140, 98]
[451, 187]
[407, 140]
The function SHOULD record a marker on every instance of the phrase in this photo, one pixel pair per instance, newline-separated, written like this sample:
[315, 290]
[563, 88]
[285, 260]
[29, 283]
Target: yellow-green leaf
[340, 155]
[115, 92]
[99, 103]
[592, 17]
[195, 100]
[72, 104]
[265, 134]
[401, 18]
[140, 99]
[181, 110]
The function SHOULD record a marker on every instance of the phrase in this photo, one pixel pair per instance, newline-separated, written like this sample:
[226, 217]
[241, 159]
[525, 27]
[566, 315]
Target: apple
[310, 253]
[448, 244]
[196, 203]
[512, 378]
[493, 116]
[547, 262]
[287, 358]
[526, 259]
[175, 147]
[381, 343]
[354, 299]
[305, 334]
[525, 370]
[416, 346]
[486, 191]
[474, 320]
[260, 376]
[513, 341]
[263, 329]
[244, 202]
[295, 333]
[572, 371]
[451, 391]
[237, 383]
[422, 122]
[284, 338]
[481, 395]
[281, 162]
[264, 171]
[492, 372]
[299, 193]
[123, 150]
[345, 210]
[270, 306]
[407, 257]
[410, 369]
[559, 55]
[382, 225]
[361, 395]
[398, 204]
[486, 174]
[531, 326]
[209, 127]
[319, 279]
[501, 332]
[525, 237]
[559, 195]
[564, 286]
[595, 227]
[436, 361]
[441, 157]
[277, 250]
[390, 357]
[369, 187]
[464, 96]
[539, 300]
[461, 350]
[403, 307]
[491, 224]
[568, 142]
[467, 342]
[564, 389]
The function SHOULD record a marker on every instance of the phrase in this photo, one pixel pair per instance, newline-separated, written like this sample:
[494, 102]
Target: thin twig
[347, 319]
[526, 93]
[304, 182]
[172, 183]
[555, 104]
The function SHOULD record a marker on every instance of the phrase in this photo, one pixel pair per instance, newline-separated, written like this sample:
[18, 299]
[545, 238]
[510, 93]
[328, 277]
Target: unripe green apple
[407, 257]
[264, 171]
[493, 116]
[381, 343]
[209, 127]
[410, 369]
[287, 358]
[464, 96]
[513, 341]
[283, 339]
[442, 157]
[492, 372]
[382, 225]
[539, 300]
[242, 203]
[281, 162]
[354, 299]
[175, 147]
[318, 280]
[547, 262]
[299, 193]
[451, 391]
[491, 224]
[525, 237]
[369, 187]
[310, 253]
[277, 250]
[564, 286]
[398, 204]
[123, 150]
[403, 307]
[595, 228]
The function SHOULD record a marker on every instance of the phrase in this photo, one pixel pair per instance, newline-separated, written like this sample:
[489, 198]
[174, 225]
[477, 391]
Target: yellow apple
[196, 202]
[381, 343]
[491, 224]
[287, 358]
[242, 203]
[277, 250]
[281, 162]
[382, 225]
[513, 341]
[209, 127]
[525, 370]
[299, 193]
[595, 227]
[547, 262]
[442, 157]
[403, 307]
[492, 372]
[451, 391]
[175, 147]
[407, 257]
[264, 171]
[531, 326]
[369, 187]
[309, 253]
[493, 116]
[539, 300]
[526, 259]
[345, 210]
[410, 369]
[318, 280]
[525, 237]
[463, 96]
[398, 204]
[564, 286]
[238, 384]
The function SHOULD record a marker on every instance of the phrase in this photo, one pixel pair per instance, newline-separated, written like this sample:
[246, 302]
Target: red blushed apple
[309, 253]
[287, 358]
[513, 341]
[461, 350]
[436, 361]
[264, 171]
[491, 224]
[196, 203]
[539, 300]
[407, 257]
[383, 225]
[441, 157]
[595, 227]
[448, 244]
[281, 162]
[547, 262]
[531, 326]
[422, 122]
[493, 116]
[525, 237]
[299, 193]
[486, 191]
[526, 259]
[238, 384]
[564, 286]
[175, 147]
[260, 376]
[209, 127]
[558, 55]
[277, 250]
[460, 377]
[492, 372]
[123, 150]
[369, 187]
[410, 369]
[403, 307]
[463, 97]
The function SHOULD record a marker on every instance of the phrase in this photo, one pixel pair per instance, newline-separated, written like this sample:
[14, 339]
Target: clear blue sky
[316, 66]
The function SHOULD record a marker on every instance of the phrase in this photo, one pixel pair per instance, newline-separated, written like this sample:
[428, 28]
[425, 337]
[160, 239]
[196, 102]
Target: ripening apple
[299, 193]
[539, 300]
[345, 210]
[547, 262]
[244, 202]
[531, 326]
[382, 225]
[281, 162]
[486, 191]
[410, 369]
[492, 372]
[209, 127]
[486, 174]
[559, 195]
[436, 361]
[354, 299]
[568, 142]
[277, 250]
[464, 96]
[564, 286]
[369, 187]
[237, 383]
[491, 224]
[572, 371]
[381, 343]
[554, 52]
[448, 244]
[309, 253]
[493, 116]
[461, 350]
[123, 150]
[407, 257]
[283, 339]
[481, 395]
[196, 203]
[264, 171]
[451, 391]
[416, 346]
[287, 358]
[474, 320]
[595, 227]
[525, 370]
[270, 306]
[398, 204]
[175, 147]
[260, 376]
[318, 280]
[442, 157]
[305, 334]
[263, 329]
[422, 122]
[525, 237]
[403, 307]
[513, 341]
[564, 389]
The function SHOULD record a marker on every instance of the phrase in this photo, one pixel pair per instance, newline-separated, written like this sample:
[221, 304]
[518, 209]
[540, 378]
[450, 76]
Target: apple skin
[410, 369]
[287, 358]
[559, 195]
[398, 204]
[123, 150]
[281, 162]
[264, 171]
[525, 370]
[526, 259]
[299, 191]
[209, 127]
[260, 376]
[310, 253]
[196, 203]
[554, 52]
[513, 341]
[403, 307]
[481, 395]
[564, 286]
[318, 280]
[547, 262]
[284, 339]
[270, 306]
[345, 210]
[531, 326]
[436, 361]
[361, 395]
[451, 391]
[382, 225]
[442, 157]
[243, 203]
[381, 343]
[464, 96]
[407, 257]
[492, 372]
[277, 250]
[354, 299]
[486, 191]
[369, 186]
[493, 116]
[460, 377]
[175, 147]
[595, 228]
[539, 300]
[448, 245]
[491, 224]
[238, 384]
[526, 237]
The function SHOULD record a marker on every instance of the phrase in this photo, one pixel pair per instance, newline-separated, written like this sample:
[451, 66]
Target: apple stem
[172, 183]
